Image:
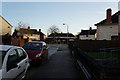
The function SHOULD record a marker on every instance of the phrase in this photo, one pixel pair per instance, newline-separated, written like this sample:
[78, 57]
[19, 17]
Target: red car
[36, 50]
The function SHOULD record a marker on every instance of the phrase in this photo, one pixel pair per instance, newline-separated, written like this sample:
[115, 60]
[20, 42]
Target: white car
[14, 62]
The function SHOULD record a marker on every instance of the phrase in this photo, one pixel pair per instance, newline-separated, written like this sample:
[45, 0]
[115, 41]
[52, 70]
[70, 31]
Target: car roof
[6, 47]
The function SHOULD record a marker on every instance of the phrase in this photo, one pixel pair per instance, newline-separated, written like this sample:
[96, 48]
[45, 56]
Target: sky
[42, 15]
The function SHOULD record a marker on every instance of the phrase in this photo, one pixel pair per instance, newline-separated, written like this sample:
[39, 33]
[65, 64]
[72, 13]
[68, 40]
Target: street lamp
[67, 31]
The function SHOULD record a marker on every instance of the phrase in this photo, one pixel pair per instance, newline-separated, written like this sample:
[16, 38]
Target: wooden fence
[98, 70]
[95, 45]
[18, 41]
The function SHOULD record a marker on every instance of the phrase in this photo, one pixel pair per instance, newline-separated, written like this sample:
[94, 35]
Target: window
[32, 46]
[12, 56]
[21, 54]
[12, 60]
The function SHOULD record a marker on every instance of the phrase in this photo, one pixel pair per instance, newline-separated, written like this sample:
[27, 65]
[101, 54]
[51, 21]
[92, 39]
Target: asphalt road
[60, 64]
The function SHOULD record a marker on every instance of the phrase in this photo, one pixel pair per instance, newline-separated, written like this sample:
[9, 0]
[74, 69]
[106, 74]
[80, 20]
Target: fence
[96, 45]
[6, 39]
[18, 41]
[88, 62]
[95, 69]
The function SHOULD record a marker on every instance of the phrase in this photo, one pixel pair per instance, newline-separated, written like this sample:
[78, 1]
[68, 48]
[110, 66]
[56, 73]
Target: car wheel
[27, 74]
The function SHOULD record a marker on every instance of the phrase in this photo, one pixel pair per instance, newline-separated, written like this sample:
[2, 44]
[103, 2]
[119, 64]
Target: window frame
[21, 57]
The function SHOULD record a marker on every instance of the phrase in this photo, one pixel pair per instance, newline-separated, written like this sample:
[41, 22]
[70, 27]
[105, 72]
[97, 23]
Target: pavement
[59, 65]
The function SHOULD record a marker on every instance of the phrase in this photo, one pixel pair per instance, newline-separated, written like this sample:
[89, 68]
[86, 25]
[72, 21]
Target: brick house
[31, 34]
[107, 29]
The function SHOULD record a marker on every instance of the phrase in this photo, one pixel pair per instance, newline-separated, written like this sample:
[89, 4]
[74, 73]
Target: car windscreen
[2, 55]
[33, 46]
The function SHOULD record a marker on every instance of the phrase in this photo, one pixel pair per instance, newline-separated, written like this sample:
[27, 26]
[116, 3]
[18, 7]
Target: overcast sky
[42, 15]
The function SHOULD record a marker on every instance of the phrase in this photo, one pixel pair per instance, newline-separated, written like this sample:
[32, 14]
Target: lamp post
[67, 31]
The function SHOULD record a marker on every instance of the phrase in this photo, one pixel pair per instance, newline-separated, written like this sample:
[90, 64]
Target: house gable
[6, 28]
[114, 20]
[108, 28]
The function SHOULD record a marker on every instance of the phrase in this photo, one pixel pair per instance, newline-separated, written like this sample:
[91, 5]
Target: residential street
[59, 65]
[73, 40]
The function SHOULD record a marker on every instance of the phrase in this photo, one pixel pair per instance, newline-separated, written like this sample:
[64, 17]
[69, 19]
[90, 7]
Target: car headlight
[38, 55]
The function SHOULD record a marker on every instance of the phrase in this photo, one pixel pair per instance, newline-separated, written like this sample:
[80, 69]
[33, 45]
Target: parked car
[37, 51]
[14, 62]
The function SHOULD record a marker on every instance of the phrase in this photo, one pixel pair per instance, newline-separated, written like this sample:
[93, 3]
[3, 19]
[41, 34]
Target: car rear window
[33, 46]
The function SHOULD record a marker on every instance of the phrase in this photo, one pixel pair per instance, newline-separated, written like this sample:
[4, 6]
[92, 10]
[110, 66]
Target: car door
[22, 61]
[11, 67]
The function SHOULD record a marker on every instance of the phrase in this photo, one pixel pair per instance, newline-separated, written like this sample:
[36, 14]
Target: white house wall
[4, 27]
[105, 32]
[90, 37]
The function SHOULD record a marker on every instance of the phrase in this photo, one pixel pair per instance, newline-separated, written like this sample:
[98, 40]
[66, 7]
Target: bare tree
[21, 25]
[53, 29]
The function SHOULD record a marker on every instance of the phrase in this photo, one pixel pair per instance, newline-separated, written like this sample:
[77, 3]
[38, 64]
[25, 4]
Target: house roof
[28, 31]
[42, 33]
[88, 32]
[6, 21]
[61, 35]
[114, 20]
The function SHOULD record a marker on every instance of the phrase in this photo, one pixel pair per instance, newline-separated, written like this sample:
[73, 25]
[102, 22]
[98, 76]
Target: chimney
[39, 30]
[29, 27]
[108, 15]
[90, 28]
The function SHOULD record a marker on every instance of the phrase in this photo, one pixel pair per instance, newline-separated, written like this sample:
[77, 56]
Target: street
[70, 39]
[60, 64]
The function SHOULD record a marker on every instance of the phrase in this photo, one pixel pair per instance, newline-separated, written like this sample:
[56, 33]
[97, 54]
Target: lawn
[98, 55]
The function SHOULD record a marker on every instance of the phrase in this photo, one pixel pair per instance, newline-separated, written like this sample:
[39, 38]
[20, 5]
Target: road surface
[60, 64]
